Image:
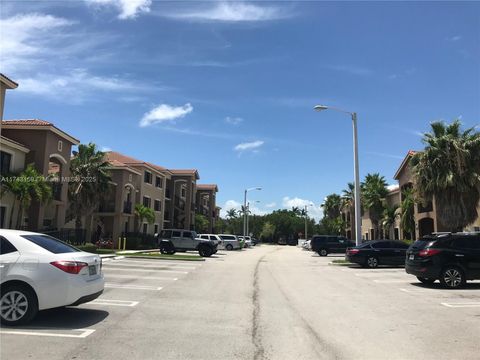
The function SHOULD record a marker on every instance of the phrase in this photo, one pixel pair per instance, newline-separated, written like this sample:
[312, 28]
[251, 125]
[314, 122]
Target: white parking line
[84, 333]
[132, 287]
[462, 305]
[159, 267]
[113, 302]
[156, 262]
[392, 281]
[144, 277]
[146, 270]
[373, 275]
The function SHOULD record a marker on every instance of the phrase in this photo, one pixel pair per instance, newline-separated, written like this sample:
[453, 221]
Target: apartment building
[5, 84]
[38, 142]
[181, 203]
[206, 203]
[133, 182]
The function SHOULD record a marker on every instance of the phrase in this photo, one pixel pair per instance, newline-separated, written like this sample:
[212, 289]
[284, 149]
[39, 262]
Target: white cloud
[75, 86]
[233, 204]
[25, 38]
[313, 211]
[454, 38]
[129, 9]
[271, 205]
[232, 12]
[249, 146]
[233, 120]
[351, 69]
[105, 149]
[165, 112]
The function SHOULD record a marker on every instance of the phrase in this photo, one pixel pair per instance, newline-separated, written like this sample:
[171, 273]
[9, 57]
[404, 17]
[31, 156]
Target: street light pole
[245, 208]
[248, 216]
[358, 216]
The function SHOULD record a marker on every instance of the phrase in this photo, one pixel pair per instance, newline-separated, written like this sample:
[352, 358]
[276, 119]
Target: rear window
[51, 244]
[166, 234]
[6, 247]
[421, 244]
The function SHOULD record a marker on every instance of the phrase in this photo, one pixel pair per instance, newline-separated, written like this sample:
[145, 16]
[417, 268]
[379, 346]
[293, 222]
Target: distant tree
[449, 170]
[332, 206]
[268, 232]
[201, 223]
[407, 212]
[374, 191]
[231, 214]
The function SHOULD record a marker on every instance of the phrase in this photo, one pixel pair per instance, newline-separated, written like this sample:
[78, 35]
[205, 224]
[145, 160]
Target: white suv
[212, 237]
[230, 242]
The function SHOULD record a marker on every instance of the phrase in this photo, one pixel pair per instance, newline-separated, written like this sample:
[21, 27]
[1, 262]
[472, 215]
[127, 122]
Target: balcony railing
[127, 207]
[57, 191]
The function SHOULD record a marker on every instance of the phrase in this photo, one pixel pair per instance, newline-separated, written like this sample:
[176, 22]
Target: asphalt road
[269, 302]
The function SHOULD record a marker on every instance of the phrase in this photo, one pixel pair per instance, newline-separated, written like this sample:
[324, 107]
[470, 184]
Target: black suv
[328, 244]
[451, 258]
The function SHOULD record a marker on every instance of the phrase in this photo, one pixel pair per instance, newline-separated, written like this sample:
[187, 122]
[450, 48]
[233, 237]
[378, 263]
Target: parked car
[39, 272]
[213, 237]
[172, 240]
[378, 252]
[243, 242]
[254, 241]
[230, 242]
[451, 258]
[330, 244]
[248, 241]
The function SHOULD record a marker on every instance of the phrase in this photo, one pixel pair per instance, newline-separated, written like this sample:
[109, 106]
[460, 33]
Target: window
[60, 145]
[147, 202]
[166, 234]
[187, 234]
[399, 245]
[382, 245]
[176, 233]
[145, 228]
[155, 229]
[184, 192]
[204, 237]
[3, 212]
[213, 237]
[6, 247]
[5, 160]
[147, 177]
[158, 182]
[50, 244]
[469, 242]
[228, 237]
[130, 177]
[157, 205]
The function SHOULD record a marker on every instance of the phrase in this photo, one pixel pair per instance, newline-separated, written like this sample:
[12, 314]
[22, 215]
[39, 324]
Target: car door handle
[459, 255]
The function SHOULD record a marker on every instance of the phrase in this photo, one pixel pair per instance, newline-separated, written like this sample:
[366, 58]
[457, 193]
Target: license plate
[411, 257]
[92, 269]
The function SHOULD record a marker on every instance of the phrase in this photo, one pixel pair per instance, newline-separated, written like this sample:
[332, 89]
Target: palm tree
[26, 186]
[407, 214]
[144, 213]
[296, 211]
[390, 215]
[374, 191]
[84, 194]
[231, 214]
[332, 206]
[449, 170]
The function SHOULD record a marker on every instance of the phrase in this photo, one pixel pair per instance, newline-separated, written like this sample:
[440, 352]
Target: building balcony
[423, 209]
[107, 207]
[167, 193]
[179, 203]
[127, 207]
[166, 216]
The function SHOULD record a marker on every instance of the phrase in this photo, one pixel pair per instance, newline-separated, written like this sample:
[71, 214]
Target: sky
[228, 88]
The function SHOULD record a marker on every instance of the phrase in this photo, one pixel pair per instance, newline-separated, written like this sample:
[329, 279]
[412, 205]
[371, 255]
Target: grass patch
[151, 255]
[93, 249]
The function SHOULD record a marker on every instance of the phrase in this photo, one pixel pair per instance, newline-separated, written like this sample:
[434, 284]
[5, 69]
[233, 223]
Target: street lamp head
[320, 107]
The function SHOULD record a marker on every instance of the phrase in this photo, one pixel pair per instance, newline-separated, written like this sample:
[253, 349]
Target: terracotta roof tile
[26, 122]
[207, 187]
[128, 160]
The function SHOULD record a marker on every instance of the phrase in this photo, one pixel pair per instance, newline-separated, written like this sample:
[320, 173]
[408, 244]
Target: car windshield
[51, 244]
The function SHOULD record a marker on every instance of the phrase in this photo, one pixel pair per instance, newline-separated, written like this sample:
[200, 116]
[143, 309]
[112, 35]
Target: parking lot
[269, 302]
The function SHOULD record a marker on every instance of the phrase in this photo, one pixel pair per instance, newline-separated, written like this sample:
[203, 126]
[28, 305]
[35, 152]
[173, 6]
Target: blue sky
[228, 87]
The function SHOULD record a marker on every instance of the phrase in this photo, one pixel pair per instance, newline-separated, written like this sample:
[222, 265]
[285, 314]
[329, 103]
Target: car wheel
[452, 277]
[229, 247]
[426, 280]
[372, 262]
[205, 251]
[323, 252]
[18, 305]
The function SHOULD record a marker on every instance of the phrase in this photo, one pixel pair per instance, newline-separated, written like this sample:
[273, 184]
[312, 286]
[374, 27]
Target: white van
[230, 242]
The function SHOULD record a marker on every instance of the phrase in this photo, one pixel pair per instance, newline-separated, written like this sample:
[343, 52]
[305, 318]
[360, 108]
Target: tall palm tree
[449, 170]
[83, 193]
[231, 214]
[374, 191]
[296, 211]
[332, 206]
[407, 214]
[26, 186]
[144, 213]
[390, 215]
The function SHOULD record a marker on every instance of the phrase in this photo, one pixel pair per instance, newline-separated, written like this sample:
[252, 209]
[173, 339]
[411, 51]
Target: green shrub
[88, 248]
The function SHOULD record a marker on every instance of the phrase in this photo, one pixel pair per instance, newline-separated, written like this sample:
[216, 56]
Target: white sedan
[40, 272]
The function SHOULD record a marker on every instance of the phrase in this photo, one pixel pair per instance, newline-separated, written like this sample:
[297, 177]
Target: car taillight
[353, 251]
[428, 252]
[71, 267]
